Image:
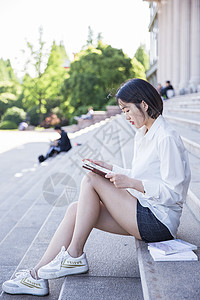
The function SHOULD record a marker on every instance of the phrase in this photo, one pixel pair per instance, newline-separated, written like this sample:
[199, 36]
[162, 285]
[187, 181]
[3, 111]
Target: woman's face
[133, 114]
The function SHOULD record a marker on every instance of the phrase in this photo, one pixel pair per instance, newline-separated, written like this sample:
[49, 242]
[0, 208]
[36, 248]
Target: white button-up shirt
[160, 161]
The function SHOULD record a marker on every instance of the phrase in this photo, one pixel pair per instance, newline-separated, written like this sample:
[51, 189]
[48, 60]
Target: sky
[122, 23]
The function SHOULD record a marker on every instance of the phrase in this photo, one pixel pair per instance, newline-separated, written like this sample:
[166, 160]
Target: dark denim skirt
[150, 228]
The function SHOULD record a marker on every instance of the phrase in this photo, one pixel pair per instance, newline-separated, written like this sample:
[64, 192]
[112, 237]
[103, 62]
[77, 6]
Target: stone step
[13, 208]
[49, 167]
[107, 267]
[190, 104]
[192, 124]
[26, 177]
[171, 280]
[189, 111]
[184, 98]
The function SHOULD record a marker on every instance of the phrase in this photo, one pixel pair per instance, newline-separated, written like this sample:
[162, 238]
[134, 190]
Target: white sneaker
[63, 264]
[24, 283]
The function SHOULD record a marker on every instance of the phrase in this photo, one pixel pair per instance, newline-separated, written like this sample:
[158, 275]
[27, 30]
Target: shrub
[8, 125]
[34, 116]
[14, 114]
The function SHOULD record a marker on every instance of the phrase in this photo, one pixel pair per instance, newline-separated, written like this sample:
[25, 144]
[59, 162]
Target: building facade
[175, 44]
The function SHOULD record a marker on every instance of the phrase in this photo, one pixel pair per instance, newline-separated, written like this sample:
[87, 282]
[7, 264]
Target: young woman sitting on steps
[144, 201]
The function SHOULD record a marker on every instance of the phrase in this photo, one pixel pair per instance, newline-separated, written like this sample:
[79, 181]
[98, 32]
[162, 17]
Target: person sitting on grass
[144, 201]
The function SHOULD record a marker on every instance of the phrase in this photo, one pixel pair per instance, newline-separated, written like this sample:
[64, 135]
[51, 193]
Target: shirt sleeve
[172, 171]
[118, 170]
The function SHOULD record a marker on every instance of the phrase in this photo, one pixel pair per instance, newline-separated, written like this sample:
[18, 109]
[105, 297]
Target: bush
[14, 114]
[34, 116]
[8, 125]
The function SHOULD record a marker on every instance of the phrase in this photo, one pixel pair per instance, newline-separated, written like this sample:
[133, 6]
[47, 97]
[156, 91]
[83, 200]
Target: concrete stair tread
[171, 280]
[96, 288]
[188, 133]
[188, 117]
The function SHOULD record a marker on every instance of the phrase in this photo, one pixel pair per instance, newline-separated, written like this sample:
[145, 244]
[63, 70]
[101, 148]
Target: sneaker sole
[62, 273]
[17, 291]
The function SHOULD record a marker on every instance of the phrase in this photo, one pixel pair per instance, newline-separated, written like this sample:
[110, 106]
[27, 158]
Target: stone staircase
[32, 207]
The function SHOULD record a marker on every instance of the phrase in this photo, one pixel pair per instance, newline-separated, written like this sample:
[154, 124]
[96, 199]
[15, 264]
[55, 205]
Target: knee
[89, 178]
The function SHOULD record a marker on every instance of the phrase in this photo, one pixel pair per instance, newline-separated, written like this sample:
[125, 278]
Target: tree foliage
[142, 56]
[43, 91]
[95, 73]
[14, 114]
[10, 88]
[138, 70]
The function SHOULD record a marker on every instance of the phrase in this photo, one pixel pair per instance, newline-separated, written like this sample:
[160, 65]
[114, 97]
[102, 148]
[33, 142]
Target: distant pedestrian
[159, 87]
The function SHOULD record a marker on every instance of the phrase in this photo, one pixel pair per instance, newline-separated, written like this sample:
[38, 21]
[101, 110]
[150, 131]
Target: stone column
[185, 46]
[195, 46]
[160, 43]
[176, 46]
[162, 37]
[168, 40]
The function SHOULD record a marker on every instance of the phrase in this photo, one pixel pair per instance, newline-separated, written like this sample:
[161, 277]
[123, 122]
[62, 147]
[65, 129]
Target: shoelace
[22, 273]
[60, 255]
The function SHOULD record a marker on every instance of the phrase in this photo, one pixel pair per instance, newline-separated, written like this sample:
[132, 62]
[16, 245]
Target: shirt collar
[154, 127]
[152, 130]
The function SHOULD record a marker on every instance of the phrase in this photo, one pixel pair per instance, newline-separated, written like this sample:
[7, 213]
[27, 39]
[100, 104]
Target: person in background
[159, 87]
[62, 144]
[88, 116]
[167, 91]
[23, 126]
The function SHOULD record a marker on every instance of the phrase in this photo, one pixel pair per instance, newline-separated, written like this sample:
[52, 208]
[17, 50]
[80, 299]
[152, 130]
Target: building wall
[178, 59]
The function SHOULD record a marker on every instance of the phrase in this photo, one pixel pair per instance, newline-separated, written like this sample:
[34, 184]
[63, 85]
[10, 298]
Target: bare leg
[62, 237]
[117, 214]
[119, 203]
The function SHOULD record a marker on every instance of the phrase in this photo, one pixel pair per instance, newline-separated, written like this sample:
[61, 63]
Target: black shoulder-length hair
[137, 90]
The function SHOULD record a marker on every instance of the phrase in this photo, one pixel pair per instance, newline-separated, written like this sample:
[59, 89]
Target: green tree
[6, 71]
[14, 114]
[33, 88]
[142, 56]
[10, 88]
[93, 75]
[90, 36]
[43, 91]
[137, 70]
[54, 76]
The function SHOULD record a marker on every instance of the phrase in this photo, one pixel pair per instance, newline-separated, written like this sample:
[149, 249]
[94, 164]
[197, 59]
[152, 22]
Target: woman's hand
[100, 163]
[120, 181]
[123, 182]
